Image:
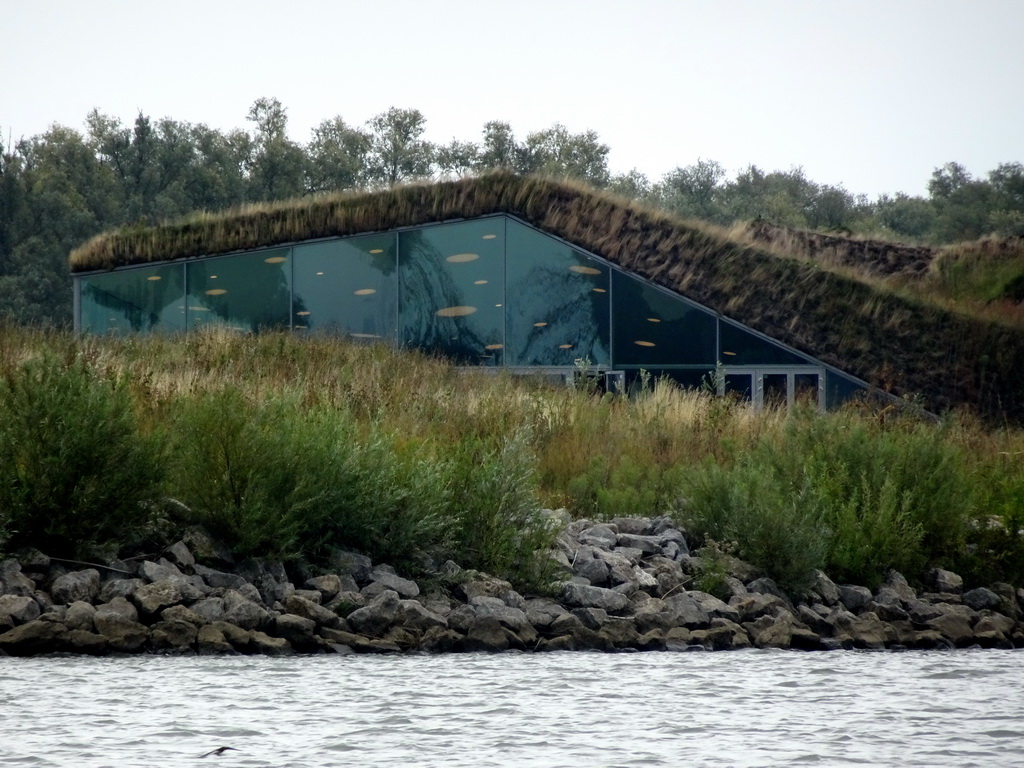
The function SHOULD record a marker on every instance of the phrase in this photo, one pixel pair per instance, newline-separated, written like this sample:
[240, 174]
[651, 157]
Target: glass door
[775, 387]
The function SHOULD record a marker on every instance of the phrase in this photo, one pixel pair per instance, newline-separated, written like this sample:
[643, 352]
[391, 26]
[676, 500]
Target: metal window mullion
[76, 298]
[184, 282]
[291, 289]
[398, 342]
[611, 321]
[504, 291]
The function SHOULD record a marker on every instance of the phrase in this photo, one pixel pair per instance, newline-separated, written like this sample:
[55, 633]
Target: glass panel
[739, 385]
[805, 388]
[686, 378]
[652, 327]
[558, 302]
[452, 291]
[774, 390]
[840, 389]
[144, 299]
[739, 347]
[248, 292]
[348, 286]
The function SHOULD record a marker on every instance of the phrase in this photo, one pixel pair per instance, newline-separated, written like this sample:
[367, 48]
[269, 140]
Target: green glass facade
[559, 307]
[451, 288]
[141, 299]
[491, 292]
[347, 286]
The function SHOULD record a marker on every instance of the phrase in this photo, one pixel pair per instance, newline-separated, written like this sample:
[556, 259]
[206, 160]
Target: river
[745, 708]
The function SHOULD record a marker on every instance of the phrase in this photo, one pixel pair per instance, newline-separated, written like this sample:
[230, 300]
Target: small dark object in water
[218, 751]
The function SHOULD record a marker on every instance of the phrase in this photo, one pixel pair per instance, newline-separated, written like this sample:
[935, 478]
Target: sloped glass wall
[655, 329]
[559, 306]
[739, 346]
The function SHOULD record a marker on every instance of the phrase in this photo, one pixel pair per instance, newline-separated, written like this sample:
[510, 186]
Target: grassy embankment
[285, 447]
[983, 279]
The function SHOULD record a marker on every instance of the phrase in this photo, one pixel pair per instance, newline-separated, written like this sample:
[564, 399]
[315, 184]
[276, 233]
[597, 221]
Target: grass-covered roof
[893, 342]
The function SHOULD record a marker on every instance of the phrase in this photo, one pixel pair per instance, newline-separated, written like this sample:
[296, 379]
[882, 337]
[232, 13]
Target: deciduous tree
[397, 150]
[337, 156]
[278, 167]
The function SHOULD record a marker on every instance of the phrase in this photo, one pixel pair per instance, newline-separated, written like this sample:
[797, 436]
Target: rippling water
[569, 709]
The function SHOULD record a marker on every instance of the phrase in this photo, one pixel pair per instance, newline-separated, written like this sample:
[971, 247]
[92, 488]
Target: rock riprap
[628, 584]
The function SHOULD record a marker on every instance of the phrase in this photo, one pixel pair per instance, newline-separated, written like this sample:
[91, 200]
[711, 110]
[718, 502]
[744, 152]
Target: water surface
[747, 708]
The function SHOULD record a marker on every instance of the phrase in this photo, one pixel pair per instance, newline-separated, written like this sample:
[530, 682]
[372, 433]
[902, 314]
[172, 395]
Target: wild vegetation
[60, 188]
[286, 448]
[983, 278]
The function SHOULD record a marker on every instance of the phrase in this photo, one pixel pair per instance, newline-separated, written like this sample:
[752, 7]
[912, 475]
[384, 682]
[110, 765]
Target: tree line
[59, 188]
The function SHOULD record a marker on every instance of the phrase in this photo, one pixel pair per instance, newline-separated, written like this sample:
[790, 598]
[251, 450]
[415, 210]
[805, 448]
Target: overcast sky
[869, 94]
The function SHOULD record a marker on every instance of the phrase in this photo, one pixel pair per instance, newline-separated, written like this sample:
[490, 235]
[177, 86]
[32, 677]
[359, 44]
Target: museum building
[489, 291]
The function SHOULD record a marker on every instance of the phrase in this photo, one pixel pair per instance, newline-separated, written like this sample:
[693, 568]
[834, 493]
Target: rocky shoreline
[630, 584]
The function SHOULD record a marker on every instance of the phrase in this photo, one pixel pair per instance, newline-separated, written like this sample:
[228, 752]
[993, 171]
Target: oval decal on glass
[460, 311]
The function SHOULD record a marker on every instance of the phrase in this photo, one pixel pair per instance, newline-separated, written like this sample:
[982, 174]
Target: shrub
[774, 526]
[236, 467]
[499, 527]
[399, 510]
[995, 537]
[276, 479]
[623, 487]
[271, 478]
[75, 469]
[833, 492]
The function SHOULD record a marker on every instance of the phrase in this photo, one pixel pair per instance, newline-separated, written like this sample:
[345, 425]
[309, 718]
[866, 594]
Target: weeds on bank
[288, 447]
[824, 492]
[75, 470]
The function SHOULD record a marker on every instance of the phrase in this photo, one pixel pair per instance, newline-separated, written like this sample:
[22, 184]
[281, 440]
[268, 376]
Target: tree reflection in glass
[248, 292]
[134, 300]
[452, 291]
[558, 302]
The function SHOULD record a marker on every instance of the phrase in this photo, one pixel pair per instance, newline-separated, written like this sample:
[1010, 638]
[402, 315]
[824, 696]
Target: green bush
[271, 478]
[75, 469]
[832, 492]
[774, 525]
[400, 508]
[995, 537]
[282, 480]
[499, 528]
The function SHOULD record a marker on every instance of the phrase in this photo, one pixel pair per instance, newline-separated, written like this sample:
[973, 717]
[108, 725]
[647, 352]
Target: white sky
[870, 94]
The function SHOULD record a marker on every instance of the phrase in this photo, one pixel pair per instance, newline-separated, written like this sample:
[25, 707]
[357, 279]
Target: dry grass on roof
[896, 342]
